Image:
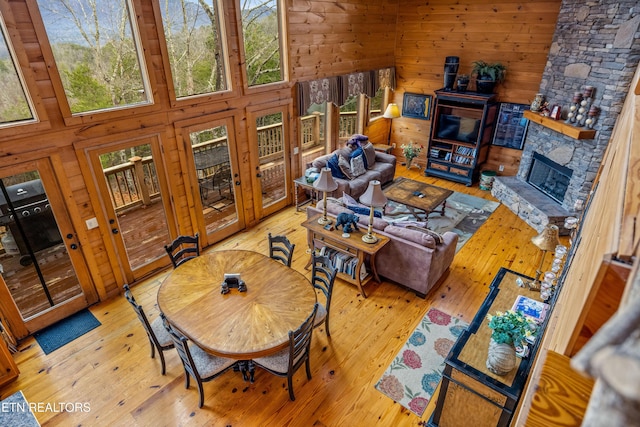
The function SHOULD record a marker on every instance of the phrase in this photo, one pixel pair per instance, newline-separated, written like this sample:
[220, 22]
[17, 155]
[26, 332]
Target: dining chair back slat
[157, 339]
[183, 248]
[323, 277]
[197, 363]
[296, 354]
[281, 249]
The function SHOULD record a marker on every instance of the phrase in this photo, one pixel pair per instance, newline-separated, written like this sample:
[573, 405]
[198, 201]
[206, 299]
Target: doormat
[415, 373]
[66, 330]
[16, 412]
[463, 215]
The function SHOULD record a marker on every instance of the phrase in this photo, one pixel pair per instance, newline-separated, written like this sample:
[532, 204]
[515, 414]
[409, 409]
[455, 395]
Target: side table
[351, 248]
[383, 148]
[307, 186]
[469, 391]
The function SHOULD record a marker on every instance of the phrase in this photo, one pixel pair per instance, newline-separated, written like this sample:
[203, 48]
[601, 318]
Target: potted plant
[487, 75]
[510, 330]
[410, 152]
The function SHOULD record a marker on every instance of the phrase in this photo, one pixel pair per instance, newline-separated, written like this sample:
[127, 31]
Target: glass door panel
[217, 177]
[39, 249]
[272, 167]
[130, 179]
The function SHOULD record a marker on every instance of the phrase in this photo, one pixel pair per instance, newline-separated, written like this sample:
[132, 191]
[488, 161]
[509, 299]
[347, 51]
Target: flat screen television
[463, 129]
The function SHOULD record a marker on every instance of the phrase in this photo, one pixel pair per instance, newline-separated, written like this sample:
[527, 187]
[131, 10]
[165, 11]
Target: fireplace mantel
[560, 126]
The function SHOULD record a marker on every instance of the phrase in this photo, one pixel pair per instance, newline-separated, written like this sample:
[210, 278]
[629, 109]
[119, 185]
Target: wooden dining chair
[183, 248]
[158, 336]
[281, 249]
[197, 363]
[323, 276]
[286, 362]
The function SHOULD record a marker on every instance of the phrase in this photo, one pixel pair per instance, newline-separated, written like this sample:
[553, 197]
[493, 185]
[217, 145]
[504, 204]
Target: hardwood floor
[110, 370]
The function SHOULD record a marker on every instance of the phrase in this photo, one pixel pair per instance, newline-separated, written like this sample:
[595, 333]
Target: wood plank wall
[326, 38]
[517, 34]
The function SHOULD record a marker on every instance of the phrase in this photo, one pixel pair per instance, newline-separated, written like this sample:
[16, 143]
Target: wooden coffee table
[418, 196]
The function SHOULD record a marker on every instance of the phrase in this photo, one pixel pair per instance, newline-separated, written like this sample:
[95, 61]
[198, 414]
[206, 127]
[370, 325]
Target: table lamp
[325, 183]
[374, 198]
[546, 241]
[392, 112]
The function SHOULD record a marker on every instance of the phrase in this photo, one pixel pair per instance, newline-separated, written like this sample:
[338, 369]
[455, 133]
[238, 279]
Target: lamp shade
[392, 112]
[325, 181]
[374, 195]
[547, 240]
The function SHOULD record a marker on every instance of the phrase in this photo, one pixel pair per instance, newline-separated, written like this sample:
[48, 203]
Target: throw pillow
[412, 235]
[334, 165]
[357, 165]
[369, 154]
[345, 167]
[359, 152]
[437, 237]
[344, 152]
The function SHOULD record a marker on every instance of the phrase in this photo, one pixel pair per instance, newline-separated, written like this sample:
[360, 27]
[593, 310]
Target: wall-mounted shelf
[560, 126]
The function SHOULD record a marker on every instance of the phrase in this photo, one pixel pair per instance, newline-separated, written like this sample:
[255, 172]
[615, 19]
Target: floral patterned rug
[415, 373]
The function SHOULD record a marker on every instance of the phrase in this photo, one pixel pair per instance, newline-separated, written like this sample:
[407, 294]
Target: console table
[469, 391]
[352, 247]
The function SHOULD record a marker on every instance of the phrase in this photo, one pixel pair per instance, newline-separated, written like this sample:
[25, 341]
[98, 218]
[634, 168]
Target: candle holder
[574, 107]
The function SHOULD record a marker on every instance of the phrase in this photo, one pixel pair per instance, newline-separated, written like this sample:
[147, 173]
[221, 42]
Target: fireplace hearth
[549, 177]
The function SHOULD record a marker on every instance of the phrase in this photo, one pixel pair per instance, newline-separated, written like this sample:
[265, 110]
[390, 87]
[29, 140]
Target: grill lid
[24, 193]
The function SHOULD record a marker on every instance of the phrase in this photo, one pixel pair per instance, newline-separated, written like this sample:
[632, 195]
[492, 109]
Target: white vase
[501, 358]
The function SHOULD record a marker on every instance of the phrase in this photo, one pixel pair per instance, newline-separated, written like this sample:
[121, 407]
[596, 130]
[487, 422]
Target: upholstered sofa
[413, 258]
[382, 168]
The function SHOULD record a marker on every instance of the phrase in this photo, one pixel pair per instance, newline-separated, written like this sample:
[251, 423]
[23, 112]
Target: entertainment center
[461, 133]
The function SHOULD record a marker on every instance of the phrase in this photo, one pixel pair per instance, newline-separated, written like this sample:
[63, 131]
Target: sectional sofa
[414, 257]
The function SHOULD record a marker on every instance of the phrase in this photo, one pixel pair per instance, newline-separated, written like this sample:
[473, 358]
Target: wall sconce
[546, 241]
[325, 183]
[374, 198]
[392, 112]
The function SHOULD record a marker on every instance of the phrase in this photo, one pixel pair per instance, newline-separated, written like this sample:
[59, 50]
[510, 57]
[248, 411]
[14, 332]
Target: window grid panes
[193, 33]
[97, 53]
[15, 106]
[261, 31]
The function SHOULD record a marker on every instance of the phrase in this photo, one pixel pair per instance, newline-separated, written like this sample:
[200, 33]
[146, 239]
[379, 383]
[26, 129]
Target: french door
[136, 214]
[268, 139]
[43, 274]
[209, 148]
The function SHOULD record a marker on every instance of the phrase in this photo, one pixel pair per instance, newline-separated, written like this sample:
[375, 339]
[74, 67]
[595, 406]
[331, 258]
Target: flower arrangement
[510, 327]
[411, 151]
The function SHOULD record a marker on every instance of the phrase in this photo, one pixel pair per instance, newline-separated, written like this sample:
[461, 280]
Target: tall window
[262, 34]
[14, 103]
[97, 54]
[375, 104]
[195, 46]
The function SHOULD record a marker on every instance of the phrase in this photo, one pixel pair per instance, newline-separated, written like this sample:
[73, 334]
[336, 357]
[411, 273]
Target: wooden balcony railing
[135, 183]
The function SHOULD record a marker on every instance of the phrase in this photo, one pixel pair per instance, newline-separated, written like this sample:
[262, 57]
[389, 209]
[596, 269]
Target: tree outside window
[14, 104]
[193, 32]
[96, 53]
[262, 36]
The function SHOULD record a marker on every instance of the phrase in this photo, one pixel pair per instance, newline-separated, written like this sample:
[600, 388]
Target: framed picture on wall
[511, 127]
[417, 106]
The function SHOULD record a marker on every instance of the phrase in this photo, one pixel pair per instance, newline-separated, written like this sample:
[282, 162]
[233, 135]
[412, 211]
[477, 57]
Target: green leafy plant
[411, 151]
[494, 71]
[510, 327]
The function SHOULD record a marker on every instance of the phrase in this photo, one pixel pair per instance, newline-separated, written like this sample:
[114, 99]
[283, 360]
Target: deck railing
[135, 183]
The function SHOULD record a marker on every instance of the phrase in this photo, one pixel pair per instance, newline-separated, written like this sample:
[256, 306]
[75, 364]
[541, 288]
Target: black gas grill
[28, 205]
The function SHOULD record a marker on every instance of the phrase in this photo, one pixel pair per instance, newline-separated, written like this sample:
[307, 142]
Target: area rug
[415, 373]
[66, 330]
[463, 215]
[16, 412]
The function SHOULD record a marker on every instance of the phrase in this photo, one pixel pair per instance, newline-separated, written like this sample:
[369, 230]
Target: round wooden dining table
[239, 325]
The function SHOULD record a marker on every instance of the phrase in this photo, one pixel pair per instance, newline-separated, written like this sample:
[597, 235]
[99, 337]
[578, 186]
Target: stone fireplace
[595, 44]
